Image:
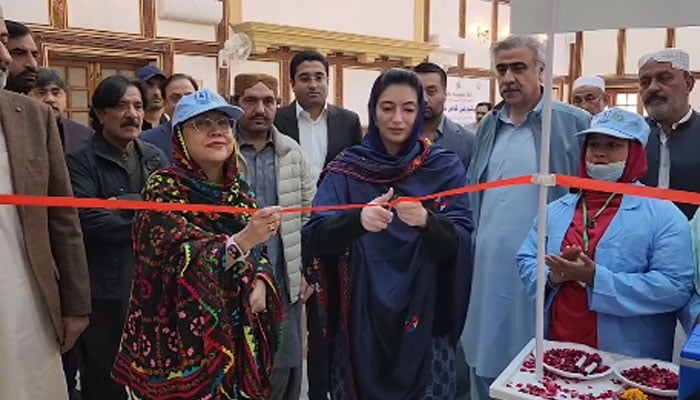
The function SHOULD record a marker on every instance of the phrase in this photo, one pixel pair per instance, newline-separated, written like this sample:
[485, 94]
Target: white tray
[506, 385]
[634, 363]
[607, 360]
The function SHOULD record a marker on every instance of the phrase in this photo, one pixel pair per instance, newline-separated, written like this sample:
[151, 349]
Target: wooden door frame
[49, 50]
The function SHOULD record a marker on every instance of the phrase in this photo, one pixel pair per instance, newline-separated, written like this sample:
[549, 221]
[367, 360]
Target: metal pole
[544, 188]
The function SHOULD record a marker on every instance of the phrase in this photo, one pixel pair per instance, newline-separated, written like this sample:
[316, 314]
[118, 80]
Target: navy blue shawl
[386, 284]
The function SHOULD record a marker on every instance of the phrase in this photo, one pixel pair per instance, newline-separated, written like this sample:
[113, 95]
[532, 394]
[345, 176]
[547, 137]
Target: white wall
[201, 68]
[117, 16]
[687, 39]
[444, 18]
[695, 96]
[561, 44]
[184, 30]
[478, 18]
[386, 18]
[562, 55]
[29, 11]
[599, 52]
[357, 83]
[503, 22]
[640, 42]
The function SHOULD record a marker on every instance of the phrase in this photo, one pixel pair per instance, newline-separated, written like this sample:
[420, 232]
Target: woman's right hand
[263, 225]
[377, 218]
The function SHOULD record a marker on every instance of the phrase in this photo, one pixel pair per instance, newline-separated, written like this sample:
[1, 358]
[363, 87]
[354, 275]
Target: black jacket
[74, 136]
[96, 172]
[344, 129]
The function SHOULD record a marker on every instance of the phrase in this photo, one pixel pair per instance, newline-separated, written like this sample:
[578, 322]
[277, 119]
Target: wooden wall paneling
[494, 39]
[578, 56]
[621, 62]
[470, 72]
[89, 38]
[169, 60]
[338, 81]
[196, 48]
[285, 81]
[58, 14]
[670, 37]
[235, 11]
[223, 75]
[421, 20]
[572, 56]
[148, 18]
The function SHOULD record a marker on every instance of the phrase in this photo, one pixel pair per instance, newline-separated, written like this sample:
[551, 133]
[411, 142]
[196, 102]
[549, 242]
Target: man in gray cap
[665, 83]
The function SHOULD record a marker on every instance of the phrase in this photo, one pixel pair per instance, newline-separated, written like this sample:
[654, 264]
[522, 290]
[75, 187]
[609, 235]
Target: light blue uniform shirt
[644, 273]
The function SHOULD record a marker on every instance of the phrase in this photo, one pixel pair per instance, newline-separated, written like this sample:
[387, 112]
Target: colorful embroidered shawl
[190, 332]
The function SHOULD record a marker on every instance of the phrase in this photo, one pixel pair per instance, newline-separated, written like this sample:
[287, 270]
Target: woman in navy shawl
[393, 282]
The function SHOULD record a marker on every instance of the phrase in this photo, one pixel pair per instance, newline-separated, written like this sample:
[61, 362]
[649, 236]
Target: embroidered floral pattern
[190, 332]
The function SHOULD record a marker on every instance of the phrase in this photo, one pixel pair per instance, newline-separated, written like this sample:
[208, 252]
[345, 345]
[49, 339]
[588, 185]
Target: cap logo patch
[201, 97]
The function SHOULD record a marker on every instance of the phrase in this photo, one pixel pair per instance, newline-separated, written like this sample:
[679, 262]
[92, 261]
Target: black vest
[684, 147]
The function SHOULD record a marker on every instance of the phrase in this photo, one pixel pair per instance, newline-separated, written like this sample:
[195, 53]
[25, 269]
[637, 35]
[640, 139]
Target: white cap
[678, 58]
[594, 81]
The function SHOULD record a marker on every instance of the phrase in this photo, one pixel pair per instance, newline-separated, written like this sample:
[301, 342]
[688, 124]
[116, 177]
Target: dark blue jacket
[162, 137]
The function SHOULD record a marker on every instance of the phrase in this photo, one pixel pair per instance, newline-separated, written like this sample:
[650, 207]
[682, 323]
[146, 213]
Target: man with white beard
[44, 280]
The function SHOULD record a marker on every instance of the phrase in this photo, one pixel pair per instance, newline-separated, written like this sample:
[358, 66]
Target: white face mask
[606, 172]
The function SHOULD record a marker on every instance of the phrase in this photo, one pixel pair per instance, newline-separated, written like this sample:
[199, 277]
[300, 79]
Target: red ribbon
[561, 180]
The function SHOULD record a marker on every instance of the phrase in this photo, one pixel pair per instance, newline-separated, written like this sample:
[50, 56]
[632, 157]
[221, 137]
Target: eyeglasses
[589, 98]
[206, 125]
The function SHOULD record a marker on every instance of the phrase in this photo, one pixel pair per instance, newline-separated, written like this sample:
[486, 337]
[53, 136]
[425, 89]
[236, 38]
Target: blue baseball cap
[200, 102]
[148, 72]
[620, 123]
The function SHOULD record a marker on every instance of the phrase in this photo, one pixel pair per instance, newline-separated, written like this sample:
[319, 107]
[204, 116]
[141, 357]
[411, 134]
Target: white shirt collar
[675, 125]
[301, 112]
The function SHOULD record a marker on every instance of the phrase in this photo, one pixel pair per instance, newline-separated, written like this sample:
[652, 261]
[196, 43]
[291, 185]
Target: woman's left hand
[581, 269]
[412, 213]
[257, 297]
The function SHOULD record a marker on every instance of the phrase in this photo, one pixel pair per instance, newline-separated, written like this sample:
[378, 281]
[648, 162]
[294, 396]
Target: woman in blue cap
[204, 314]
[619, 267]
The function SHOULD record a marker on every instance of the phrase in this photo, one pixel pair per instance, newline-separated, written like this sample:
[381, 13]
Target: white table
[512, 383]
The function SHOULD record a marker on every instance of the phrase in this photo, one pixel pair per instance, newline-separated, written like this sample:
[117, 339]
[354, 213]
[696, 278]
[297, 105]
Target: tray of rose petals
[576, 361]
[651, 376]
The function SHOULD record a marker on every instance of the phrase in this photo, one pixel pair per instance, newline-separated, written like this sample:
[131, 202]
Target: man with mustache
[153, 78]
[44, 283]
[278, 173]
[440, 129]
[501, 318]
[665, 83]
[114, 165]
[25, 58]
